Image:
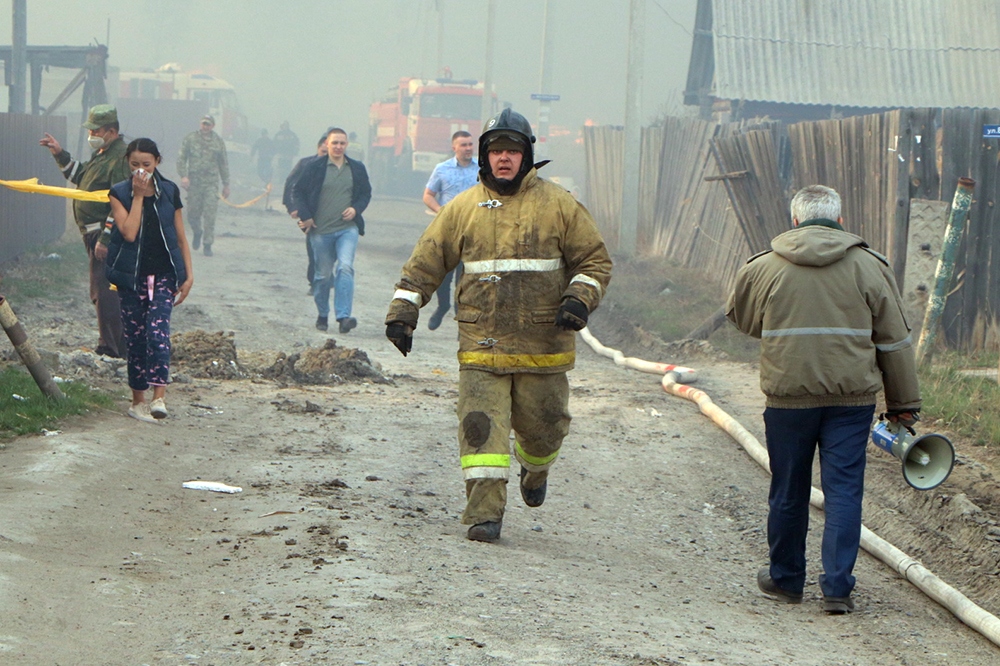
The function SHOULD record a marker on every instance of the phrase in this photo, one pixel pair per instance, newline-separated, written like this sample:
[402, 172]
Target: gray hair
[816, 202]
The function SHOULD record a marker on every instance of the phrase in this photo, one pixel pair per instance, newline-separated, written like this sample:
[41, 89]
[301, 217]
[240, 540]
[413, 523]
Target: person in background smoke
[448, 179]
[263, 150]
[288, 202]
[106, 167]
[535, 268]
[150, 263]
[202, 163]
[286, 148]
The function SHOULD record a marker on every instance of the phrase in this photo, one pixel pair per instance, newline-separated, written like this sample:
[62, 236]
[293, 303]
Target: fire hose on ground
[675, 380]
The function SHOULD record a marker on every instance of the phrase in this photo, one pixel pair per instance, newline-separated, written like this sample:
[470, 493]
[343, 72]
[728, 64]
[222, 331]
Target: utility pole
[487, 107]
[629, 231]
[19, 58]
[440, 53]
[545, 85]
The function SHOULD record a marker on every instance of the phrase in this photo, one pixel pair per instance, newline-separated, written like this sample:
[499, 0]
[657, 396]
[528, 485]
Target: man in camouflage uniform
[201, 164]
[105, 168]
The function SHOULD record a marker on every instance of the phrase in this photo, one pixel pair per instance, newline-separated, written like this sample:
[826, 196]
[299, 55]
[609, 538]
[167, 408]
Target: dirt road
[644, 553]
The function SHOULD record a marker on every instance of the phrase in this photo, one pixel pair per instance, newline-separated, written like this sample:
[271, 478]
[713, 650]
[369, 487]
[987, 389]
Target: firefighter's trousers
[535, 406]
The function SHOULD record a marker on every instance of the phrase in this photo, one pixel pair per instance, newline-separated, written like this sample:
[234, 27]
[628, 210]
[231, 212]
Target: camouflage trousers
[200, 209]
[535, 406]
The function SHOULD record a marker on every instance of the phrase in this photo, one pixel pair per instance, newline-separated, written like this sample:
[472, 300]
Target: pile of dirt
[328, 364]
[206, 355]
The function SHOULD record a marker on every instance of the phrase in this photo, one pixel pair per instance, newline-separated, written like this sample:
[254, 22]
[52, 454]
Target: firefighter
[535, 268]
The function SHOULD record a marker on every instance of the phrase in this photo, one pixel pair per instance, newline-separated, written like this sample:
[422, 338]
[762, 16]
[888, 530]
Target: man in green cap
[106, 167]
[201, 164]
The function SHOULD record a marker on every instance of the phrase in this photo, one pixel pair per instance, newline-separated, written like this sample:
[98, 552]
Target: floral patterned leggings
[146, 320]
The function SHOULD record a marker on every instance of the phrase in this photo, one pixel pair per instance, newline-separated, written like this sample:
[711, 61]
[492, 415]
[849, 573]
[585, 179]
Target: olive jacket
[522, 255]
[830, 319]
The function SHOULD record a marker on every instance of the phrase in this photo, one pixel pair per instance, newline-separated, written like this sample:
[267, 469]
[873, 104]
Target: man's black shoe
[535, 496]
[197, 241]
[771, 589]
[347, 323]
[322, 323]
[488, 532]
[104, 350]
[208, 250]
[838, 605]
[435, 321]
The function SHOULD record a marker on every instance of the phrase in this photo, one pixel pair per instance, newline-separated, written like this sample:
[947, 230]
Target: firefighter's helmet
[511, 125]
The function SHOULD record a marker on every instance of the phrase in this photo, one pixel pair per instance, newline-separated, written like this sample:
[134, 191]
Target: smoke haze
[318, 63]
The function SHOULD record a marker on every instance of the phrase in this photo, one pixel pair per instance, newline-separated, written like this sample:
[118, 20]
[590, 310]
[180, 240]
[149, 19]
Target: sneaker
[488, 532]
[197, 241]
[141, 412]
[208, 250]
[435, 321]
[347, 323]
[838, 605]
[158, 408]
[771, 589]
[322, 323]
[535, 496]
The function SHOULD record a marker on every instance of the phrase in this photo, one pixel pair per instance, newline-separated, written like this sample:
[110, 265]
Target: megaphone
[927, 460]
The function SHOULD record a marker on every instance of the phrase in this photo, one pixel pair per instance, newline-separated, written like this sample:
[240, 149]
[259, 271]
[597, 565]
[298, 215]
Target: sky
[318, 63]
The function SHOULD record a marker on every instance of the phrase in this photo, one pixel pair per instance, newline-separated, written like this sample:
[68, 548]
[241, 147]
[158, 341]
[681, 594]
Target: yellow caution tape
[249, 203]
[32, 185]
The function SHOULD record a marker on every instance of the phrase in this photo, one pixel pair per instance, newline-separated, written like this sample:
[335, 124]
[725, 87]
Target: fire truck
[167, 103]
[410, 128]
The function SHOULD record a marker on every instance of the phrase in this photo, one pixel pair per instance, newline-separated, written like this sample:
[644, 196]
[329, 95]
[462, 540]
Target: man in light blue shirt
[450, 178]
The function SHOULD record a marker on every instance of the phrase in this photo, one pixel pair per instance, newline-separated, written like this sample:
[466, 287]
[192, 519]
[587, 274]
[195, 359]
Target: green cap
[101, 115]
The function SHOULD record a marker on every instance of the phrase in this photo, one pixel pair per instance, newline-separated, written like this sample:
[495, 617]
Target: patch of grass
[672, 301]
[966, 404]
[38, 275]
[32, 411]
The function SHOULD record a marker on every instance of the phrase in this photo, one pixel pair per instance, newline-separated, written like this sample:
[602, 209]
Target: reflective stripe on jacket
[522, 254]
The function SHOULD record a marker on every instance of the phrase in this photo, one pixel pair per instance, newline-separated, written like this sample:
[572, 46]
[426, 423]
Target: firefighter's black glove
[401, 335]
[572, 314]
[904, 417]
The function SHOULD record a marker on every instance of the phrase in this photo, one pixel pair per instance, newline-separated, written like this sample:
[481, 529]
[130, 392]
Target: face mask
[96, 142]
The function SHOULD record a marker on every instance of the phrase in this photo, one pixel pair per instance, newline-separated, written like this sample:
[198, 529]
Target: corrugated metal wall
[28, 220]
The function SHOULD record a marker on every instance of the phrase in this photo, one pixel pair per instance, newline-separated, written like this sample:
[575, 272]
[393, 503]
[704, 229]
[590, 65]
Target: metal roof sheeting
[864, 53]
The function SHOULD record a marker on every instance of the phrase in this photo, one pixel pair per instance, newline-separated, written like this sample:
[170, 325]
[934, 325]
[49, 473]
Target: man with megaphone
[830, 319]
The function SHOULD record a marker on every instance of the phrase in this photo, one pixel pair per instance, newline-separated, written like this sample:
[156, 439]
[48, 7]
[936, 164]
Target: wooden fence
[28, 220]
[722, 191]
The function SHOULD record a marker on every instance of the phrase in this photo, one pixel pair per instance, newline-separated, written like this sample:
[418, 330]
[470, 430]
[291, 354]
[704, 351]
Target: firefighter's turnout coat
[522, 255]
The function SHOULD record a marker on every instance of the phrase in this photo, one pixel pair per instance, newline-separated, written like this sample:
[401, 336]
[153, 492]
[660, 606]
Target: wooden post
[27, 352]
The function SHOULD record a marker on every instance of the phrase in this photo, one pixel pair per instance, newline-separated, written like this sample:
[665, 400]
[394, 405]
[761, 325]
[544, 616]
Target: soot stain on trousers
[476, 429]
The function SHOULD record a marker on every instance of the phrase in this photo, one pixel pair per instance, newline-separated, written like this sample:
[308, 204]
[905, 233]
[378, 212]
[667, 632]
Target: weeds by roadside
[966, 403]
[24, 409]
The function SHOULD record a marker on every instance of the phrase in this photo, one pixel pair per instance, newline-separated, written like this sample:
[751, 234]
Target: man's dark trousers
[792, 435]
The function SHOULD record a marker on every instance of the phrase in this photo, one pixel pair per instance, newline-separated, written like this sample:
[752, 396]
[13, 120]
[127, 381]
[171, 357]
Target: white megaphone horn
[927, 460]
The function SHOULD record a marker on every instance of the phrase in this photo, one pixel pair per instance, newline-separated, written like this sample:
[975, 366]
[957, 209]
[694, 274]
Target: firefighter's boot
[533, 496]
[488, 531]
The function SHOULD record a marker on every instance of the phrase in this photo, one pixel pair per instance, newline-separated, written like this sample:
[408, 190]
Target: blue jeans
[328, 250]
[792, 437]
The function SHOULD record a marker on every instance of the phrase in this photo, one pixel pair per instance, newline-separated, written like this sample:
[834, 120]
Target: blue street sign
[991, 131]
[546, 97]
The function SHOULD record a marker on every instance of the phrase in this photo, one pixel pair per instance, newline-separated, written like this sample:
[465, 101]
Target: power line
[675, 21]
